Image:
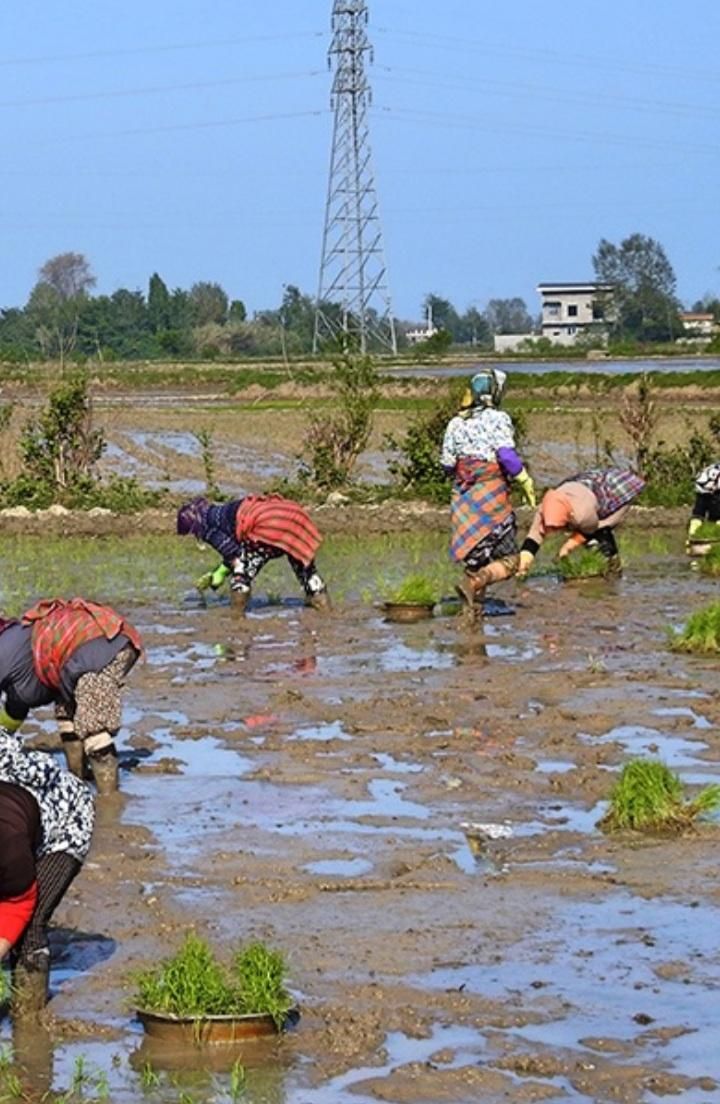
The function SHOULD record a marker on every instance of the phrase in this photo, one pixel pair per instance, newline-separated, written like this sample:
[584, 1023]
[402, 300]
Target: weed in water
[701, 634]
[238, 1079]
[595, 665]
[149, 1079]
[414, 590]
[13, 1088]
[648, 797]
[6, 1053]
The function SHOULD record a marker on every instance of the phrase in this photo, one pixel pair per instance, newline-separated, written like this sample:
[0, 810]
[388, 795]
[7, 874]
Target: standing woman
[46, 823]
[707, 499]
[250, 531]
[76, 655]
[479, 453]
[589, 506]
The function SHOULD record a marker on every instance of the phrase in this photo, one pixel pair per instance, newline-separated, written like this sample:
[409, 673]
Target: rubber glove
[204, 582]
[526, 561]
[570, 545]
[694, 525]
[527, 487]
[218, 576]
[8, 723]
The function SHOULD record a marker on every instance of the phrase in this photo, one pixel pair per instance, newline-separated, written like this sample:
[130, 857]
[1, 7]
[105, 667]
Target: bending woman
[46, 824]
[248, 532]
[76, 655]
[590, 506]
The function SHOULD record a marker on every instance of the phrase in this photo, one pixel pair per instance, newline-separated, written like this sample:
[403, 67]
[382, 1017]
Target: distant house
[423, 331]
[699, 325]
[569, 310]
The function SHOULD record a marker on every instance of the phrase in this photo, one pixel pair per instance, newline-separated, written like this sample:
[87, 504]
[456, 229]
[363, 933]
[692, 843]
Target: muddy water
[306, 781]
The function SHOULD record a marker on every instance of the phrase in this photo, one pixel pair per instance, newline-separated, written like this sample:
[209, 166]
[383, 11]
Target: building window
[572, 310]
[572, 329]
[552, 309]
[598, 312]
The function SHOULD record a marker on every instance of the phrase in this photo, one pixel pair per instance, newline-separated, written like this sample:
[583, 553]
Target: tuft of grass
[260, 977]
[701, 634]
[649, 797]
[193, 983]
[415, 590]
[708, 531]
[710, 564]
[584, 563]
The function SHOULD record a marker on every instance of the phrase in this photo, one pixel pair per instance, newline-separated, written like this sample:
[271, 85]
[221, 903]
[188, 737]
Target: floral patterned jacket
[67, 809]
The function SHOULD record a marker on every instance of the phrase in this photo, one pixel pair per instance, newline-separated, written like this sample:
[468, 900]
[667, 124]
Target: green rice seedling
[701, 634]
[710, 564]
[648, 797]
[260, 976]
[708, 531]
[238, 1080]
[415, 590]
[149, 1079]
[191, 983]
[584, 563]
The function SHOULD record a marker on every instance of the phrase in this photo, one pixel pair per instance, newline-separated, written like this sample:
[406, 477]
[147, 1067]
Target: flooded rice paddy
[310, 781]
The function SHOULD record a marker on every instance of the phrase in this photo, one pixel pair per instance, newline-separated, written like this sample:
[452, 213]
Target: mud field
[305, 780]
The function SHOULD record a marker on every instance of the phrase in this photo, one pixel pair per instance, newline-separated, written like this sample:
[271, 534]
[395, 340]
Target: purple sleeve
[510, 462]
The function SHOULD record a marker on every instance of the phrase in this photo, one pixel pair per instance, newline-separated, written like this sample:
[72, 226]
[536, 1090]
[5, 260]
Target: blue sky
[193, 140]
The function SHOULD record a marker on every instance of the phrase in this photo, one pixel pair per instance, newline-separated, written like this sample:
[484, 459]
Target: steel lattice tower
[352, 267]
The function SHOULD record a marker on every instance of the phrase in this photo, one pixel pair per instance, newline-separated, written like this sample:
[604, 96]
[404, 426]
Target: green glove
[218, 576]
[527, 487]
[213, 579]
[8, 723]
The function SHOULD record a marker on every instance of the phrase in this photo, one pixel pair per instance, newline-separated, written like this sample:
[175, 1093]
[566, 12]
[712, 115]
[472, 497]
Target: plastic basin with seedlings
[192, 998]
[414, 599]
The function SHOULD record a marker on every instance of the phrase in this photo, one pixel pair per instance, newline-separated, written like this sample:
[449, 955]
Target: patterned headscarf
[192, 516]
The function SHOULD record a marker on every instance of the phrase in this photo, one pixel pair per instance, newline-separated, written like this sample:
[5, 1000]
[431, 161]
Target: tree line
[63, 319]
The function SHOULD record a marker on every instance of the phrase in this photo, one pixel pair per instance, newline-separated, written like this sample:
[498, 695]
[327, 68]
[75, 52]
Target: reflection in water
[33, 1054]
[204, 1072]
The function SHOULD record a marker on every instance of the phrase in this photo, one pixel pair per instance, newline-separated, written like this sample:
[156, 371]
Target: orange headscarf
[556, 510]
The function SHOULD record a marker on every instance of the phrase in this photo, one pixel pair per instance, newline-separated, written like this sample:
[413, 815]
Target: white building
[699, 325]
[569, 310]
[422, 332]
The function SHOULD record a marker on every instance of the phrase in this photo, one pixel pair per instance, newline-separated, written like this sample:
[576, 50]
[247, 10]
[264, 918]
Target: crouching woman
[46, 824]
[589, 507]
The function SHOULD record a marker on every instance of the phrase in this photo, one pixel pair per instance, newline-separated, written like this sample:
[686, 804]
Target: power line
[208, 125]
[160, 89]
[547, 92]
[557, 57]
[470, 122]
[158, 48]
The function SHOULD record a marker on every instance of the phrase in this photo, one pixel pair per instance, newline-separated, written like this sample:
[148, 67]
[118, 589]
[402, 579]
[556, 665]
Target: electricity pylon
[353, 297]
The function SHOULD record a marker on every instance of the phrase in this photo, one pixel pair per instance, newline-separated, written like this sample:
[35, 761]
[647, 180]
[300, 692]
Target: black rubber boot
[320, 600]
[31, 985]
[239, 600]
[104, 765]
[74, 755]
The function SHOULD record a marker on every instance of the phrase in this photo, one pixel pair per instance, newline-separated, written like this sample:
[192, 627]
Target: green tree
[56, 301]
[208, 303]
[237, 311]
[508, 316]
[443, 313]
[644, 301]
[158, 304]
